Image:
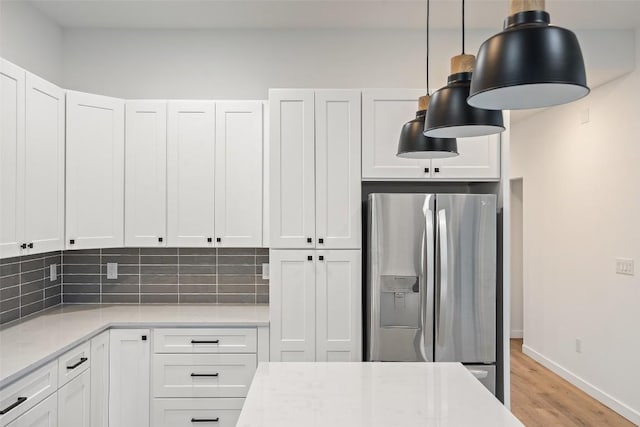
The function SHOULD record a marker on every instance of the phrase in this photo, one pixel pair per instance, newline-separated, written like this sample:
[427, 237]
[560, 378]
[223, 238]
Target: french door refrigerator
[431, 280]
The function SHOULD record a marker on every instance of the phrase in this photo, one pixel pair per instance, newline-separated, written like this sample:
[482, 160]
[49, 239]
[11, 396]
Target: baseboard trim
[593, 391]
[517, 333]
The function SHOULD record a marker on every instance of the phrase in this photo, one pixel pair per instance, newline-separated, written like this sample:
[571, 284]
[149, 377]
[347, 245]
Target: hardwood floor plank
[541, 398]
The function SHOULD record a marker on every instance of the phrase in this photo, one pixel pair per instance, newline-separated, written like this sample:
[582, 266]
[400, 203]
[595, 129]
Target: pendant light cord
[427, 47]
[463, 27]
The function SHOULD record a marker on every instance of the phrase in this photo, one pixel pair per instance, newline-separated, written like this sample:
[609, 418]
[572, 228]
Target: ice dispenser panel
[400, 301]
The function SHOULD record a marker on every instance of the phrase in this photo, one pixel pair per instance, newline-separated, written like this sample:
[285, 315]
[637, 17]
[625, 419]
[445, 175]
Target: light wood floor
[541, 398]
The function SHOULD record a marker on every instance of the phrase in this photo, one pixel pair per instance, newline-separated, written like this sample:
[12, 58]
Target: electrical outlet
[265, 271]
[112, 270]
[53, 272]
[624, 266]
[578, 345]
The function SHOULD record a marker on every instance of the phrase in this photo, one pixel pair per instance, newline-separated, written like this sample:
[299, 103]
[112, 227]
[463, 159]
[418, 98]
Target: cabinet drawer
[24, 394]
[191, 412]
[73, 363]
[228, 340]
[202, 375]
[44, 414]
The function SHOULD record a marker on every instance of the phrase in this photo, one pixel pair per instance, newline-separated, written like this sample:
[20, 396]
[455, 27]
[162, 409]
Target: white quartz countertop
[37, 341]
[371, 395]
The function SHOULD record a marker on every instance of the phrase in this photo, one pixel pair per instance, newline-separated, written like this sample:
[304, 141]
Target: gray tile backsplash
[145, 276]
[25, 285]
[166, 275]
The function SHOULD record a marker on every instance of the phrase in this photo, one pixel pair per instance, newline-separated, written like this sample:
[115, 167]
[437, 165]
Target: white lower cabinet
[129, 360]
[100, 380]
[44, 414]
[74, 402]
[188, 412]
[315, 305]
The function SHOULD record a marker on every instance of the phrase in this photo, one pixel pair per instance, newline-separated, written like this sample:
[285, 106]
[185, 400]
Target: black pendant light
[450, 116]
[530, 64]
[413, 144]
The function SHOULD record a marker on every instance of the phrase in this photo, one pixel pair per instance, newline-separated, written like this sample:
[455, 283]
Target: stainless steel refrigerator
[431, 280]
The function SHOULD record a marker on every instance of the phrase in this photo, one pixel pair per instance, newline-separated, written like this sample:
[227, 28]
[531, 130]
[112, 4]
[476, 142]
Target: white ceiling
[356, 14]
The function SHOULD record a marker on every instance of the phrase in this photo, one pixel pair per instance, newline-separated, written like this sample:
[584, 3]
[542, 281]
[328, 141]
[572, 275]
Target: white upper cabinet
[384, 112]
[292, 169]
[44, 166]
[338, 184]
[292, 305]
[12, 150]
[190, 173]
[146, 173]
[95, 171]
[479, 159]
[238, 174]
[338, 306]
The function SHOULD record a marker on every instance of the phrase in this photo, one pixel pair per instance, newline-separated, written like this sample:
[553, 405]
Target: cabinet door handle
[437, 170]
[309, 240]
[72, 242]
[321, 241]
[321, 257]
[80, 362]
[30, 245]
[204, 420]
[204, 375]
[309, 258]
[160, 239]
[23, 246]
[426, 170]
[205, 341]
[20, 401]
[218, 239]
[209, 239]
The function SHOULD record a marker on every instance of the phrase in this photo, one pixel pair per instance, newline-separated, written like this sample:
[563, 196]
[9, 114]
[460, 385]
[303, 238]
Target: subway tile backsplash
[145, 276]
[166, 275]
[25, 285]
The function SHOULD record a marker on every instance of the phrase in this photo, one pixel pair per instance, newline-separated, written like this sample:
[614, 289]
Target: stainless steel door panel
[466, 278]
[400, 277]
[486, 374]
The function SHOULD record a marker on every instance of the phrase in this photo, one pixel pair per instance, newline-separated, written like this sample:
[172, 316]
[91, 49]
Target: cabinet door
[100, 380]
[190, 173]
[479, 159]
[146, 174]
[44, 166]
[95, 171]
[384, 112]
[11, 159]
[129, 362]
[238, 174]
[338, 182]
[292, 305]
[338, 306]
[74, 402]
[44, 414]
[292, 169]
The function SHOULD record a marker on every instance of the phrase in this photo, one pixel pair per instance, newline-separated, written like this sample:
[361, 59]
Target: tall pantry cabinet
[315, 225]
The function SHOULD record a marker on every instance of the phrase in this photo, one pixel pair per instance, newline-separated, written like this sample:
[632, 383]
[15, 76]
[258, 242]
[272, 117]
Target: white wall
[31, 40]
[244, 64]
[581, 210]
[516, 259]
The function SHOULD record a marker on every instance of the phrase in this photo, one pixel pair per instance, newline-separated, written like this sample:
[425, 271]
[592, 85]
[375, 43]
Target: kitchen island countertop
[36, 341]
[371, 395]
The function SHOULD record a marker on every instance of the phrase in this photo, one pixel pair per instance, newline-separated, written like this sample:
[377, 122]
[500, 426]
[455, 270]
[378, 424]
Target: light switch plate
[624, 266]
[265, 271]
[53, 272]
[112, 270]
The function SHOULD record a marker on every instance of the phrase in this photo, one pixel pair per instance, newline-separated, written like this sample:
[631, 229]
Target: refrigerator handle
[427, 279]
[443, 273]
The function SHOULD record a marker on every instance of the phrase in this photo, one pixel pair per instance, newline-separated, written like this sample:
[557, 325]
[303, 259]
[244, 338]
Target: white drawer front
[24, 394]
[44, 414]
[73, 363]
[203, 375]
[195, 412]
[220, 340]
